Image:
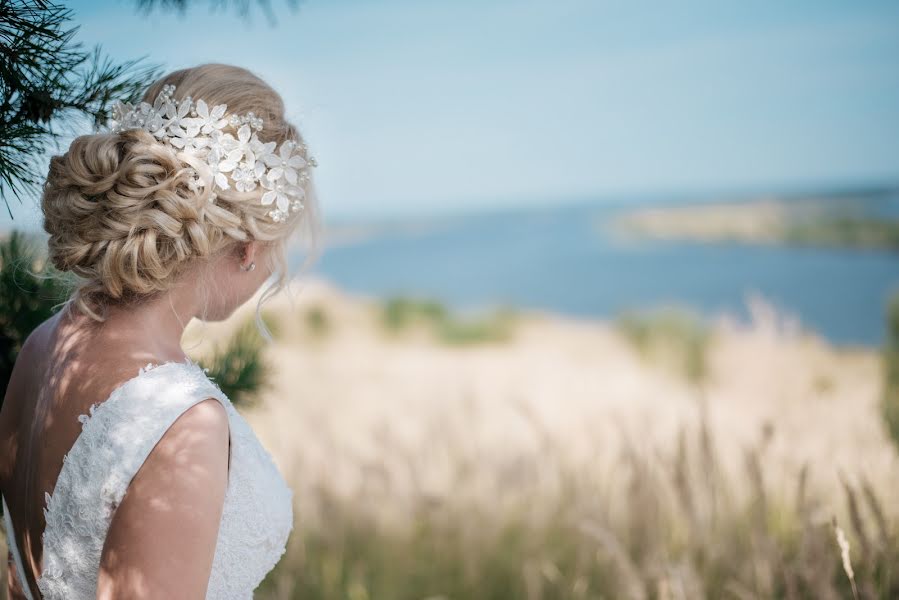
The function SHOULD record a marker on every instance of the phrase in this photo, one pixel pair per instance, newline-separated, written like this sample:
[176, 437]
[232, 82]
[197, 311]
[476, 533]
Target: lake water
[560, 259]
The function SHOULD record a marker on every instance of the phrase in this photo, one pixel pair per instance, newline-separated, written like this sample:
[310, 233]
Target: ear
[248, 252]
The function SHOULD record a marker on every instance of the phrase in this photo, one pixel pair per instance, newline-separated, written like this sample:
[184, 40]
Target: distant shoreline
[827, 222]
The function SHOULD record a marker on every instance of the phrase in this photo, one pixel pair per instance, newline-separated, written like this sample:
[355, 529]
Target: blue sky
[416, 107]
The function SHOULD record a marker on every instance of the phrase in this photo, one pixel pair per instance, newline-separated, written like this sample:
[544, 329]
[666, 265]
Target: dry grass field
[526, 455]
[565, 458]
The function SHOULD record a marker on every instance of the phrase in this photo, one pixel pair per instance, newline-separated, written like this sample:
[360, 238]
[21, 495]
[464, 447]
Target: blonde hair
[122, 217]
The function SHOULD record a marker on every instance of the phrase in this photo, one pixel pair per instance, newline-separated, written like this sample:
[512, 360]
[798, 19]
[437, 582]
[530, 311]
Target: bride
[125, 472]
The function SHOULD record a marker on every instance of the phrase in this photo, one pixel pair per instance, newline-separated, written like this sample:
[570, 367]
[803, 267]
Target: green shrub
[399, 314]
[30, 288]
[238, 367]
[671, 336]
[496, 326]
[317, 321]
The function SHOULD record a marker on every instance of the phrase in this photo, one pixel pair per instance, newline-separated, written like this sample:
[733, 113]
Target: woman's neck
[155, 325]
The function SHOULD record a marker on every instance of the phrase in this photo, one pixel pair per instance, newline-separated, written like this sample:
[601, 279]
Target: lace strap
[134, 427]
[115, 441]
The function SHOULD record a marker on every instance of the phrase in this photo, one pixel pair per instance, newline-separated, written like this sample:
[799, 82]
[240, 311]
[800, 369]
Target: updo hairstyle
[120, 213]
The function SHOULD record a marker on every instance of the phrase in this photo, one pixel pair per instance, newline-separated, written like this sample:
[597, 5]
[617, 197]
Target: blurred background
[608, 305]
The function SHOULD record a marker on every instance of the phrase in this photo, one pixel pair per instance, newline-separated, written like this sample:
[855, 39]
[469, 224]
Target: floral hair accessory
[221, 159]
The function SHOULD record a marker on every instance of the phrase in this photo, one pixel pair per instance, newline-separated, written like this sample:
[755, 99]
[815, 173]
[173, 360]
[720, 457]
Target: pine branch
[242, 7]
[47, 79]
[30, 290]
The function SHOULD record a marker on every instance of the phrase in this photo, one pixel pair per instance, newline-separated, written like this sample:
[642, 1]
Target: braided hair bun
[121, 212]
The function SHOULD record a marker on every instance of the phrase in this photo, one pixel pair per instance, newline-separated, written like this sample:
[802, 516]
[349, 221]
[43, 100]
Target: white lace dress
[116, 437]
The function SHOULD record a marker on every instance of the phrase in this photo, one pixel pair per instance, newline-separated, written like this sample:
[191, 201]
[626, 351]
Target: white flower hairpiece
[223, 159]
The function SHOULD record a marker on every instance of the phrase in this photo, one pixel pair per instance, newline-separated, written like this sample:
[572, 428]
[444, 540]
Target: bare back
[67, 364]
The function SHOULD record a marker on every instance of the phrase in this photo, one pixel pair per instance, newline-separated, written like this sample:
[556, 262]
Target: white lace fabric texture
[116, 437]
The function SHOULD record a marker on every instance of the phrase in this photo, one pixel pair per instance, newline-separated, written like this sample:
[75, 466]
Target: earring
[249, 267]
